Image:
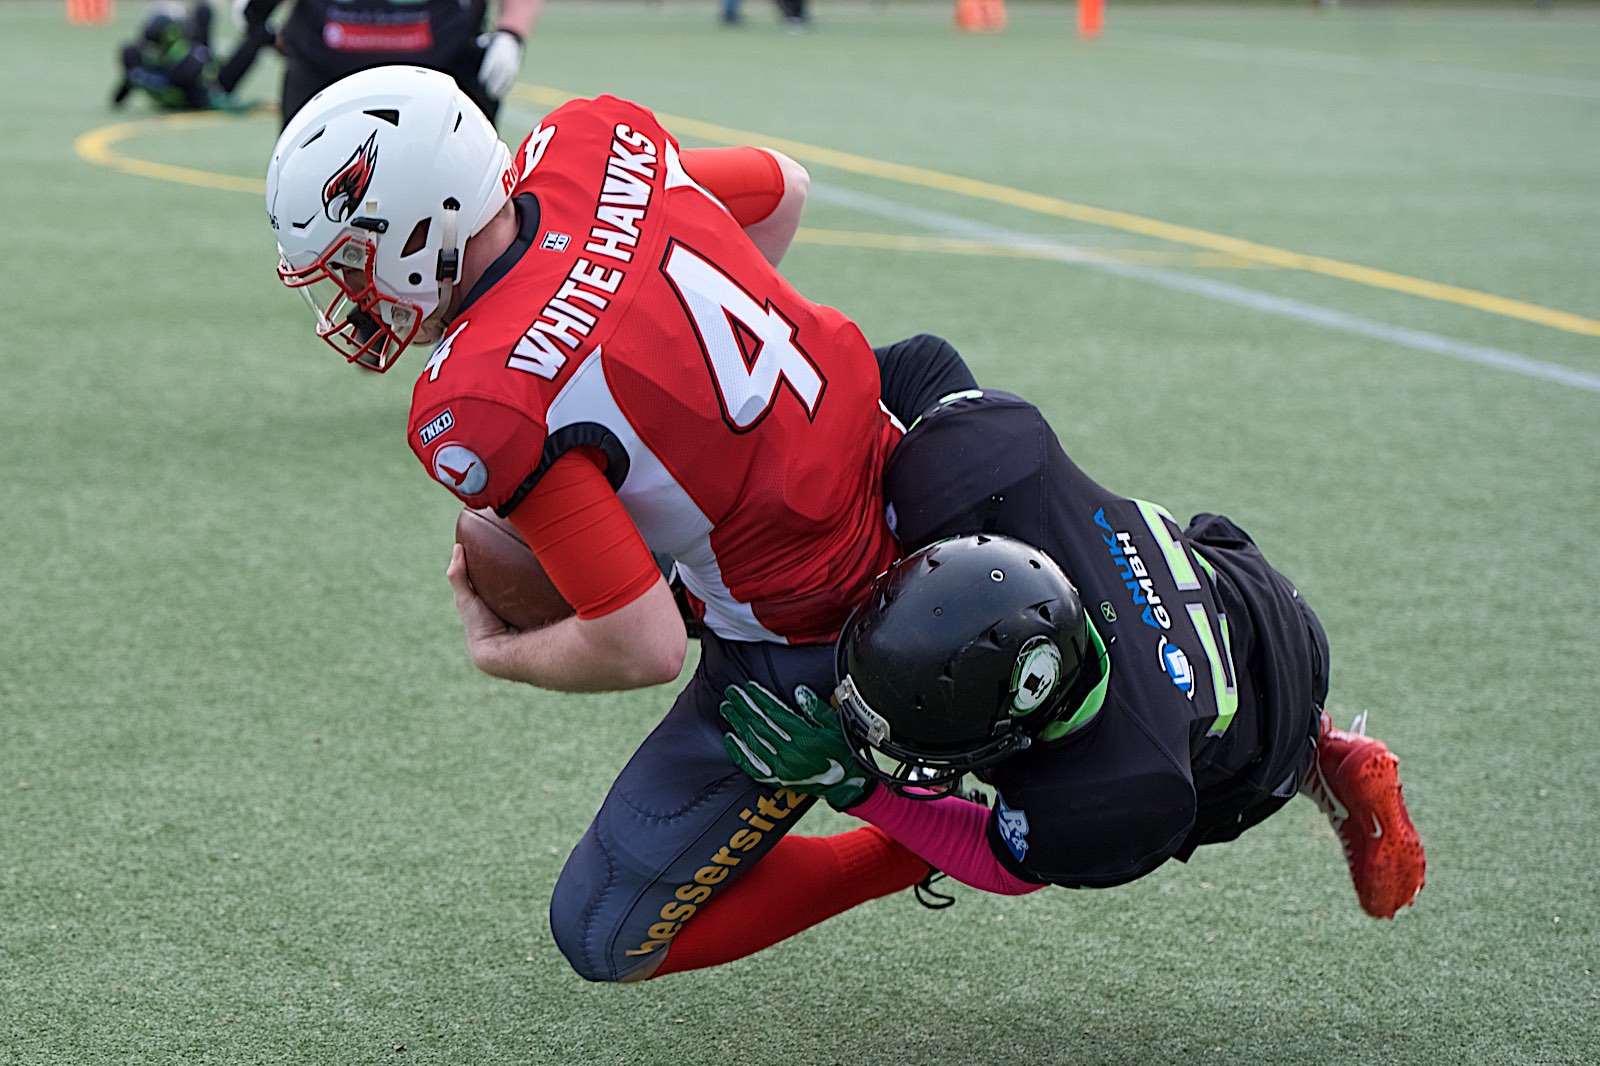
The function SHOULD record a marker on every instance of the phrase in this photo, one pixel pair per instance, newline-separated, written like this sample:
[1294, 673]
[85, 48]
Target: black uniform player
[1183, 750]
[325, 40]
[172, 61]
[1170, 698]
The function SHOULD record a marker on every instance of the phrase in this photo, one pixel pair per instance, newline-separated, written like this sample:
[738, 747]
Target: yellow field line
[96, 147]
[1121, 220]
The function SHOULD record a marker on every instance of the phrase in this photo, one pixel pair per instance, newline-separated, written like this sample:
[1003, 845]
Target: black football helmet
[964, 654]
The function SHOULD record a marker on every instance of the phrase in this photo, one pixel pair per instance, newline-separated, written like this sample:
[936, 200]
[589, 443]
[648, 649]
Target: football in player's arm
[620, 371]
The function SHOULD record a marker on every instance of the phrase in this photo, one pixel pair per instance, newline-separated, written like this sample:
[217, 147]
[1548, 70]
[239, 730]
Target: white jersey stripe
[667, 517]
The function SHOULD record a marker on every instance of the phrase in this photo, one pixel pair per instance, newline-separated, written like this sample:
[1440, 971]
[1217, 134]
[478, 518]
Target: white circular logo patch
[460, 469]
[1035, 676]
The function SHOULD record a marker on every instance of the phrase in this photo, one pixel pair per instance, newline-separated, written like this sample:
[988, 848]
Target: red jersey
[740, 422]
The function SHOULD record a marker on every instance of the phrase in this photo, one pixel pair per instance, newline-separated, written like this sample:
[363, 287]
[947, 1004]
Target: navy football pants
[682, 822]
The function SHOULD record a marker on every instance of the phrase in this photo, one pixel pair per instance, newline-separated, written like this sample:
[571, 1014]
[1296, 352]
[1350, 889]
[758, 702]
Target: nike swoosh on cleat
[1377, 827]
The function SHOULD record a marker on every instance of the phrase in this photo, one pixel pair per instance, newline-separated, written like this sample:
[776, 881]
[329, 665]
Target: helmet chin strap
[449, 255]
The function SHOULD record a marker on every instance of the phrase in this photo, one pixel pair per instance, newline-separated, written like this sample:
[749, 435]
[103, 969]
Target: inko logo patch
[1177, 666]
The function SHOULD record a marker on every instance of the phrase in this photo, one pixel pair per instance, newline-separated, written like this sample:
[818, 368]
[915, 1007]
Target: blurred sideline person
[620, 370]
[325, 40]
[793, 13]
[172, 61]
[1131, 692]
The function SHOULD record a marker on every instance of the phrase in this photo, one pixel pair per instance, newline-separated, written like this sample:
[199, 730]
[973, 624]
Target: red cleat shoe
[1355, 780]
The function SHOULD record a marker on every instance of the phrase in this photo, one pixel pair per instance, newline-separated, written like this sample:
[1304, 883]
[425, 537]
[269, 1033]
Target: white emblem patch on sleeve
[1013, 828]
[460, 469]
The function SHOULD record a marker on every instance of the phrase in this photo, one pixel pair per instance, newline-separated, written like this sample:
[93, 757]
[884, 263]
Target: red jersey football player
[620, 370]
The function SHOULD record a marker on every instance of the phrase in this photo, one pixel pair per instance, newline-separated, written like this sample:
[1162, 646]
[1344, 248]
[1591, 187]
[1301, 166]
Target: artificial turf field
[1331, 272]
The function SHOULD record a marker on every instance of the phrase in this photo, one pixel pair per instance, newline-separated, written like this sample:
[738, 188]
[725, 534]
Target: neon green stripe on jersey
[1221, 668]
[1156, 518]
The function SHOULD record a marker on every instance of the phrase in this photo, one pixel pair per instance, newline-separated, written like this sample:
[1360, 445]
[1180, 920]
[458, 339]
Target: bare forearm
[773, 234]
[519, 16]
[641, 644]
[763, 189]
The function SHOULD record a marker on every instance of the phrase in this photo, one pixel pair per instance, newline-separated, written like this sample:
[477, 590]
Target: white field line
[1299, 310]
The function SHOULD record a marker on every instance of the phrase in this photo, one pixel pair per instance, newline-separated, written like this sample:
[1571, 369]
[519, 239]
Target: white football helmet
[373, 189]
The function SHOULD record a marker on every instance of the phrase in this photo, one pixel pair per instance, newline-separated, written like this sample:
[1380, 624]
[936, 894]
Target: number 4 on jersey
[749, 346]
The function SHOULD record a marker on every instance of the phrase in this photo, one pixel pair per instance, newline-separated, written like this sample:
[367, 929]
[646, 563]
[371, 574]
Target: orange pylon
[981, 16]
[1091, 14]
[90, 12]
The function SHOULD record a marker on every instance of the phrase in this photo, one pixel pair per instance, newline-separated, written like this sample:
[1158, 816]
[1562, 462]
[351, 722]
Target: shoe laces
[927, 895]
[1317, 787]
[1322, 794]
[930, 897]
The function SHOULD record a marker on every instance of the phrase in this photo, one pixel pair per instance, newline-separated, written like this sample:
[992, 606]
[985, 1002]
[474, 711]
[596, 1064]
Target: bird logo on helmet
[342, 194]
[964, 654]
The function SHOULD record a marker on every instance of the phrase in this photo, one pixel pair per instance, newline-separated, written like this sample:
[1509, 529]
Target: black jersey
[1214, 667]
[350, 35]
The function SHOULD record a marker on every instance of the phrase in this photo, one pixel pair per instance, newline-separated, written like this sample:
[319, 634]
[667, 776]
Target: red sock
[800, 882]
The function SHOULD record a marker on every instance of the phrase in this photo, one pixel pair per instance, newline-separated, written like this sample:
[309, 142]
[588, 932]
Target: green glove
[803, 749]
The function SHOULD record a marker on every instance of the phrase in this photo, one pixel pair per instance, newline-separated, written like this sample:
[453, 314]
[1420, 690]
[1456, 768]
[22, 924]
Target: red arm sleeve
[584, 538]
[748, 181]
